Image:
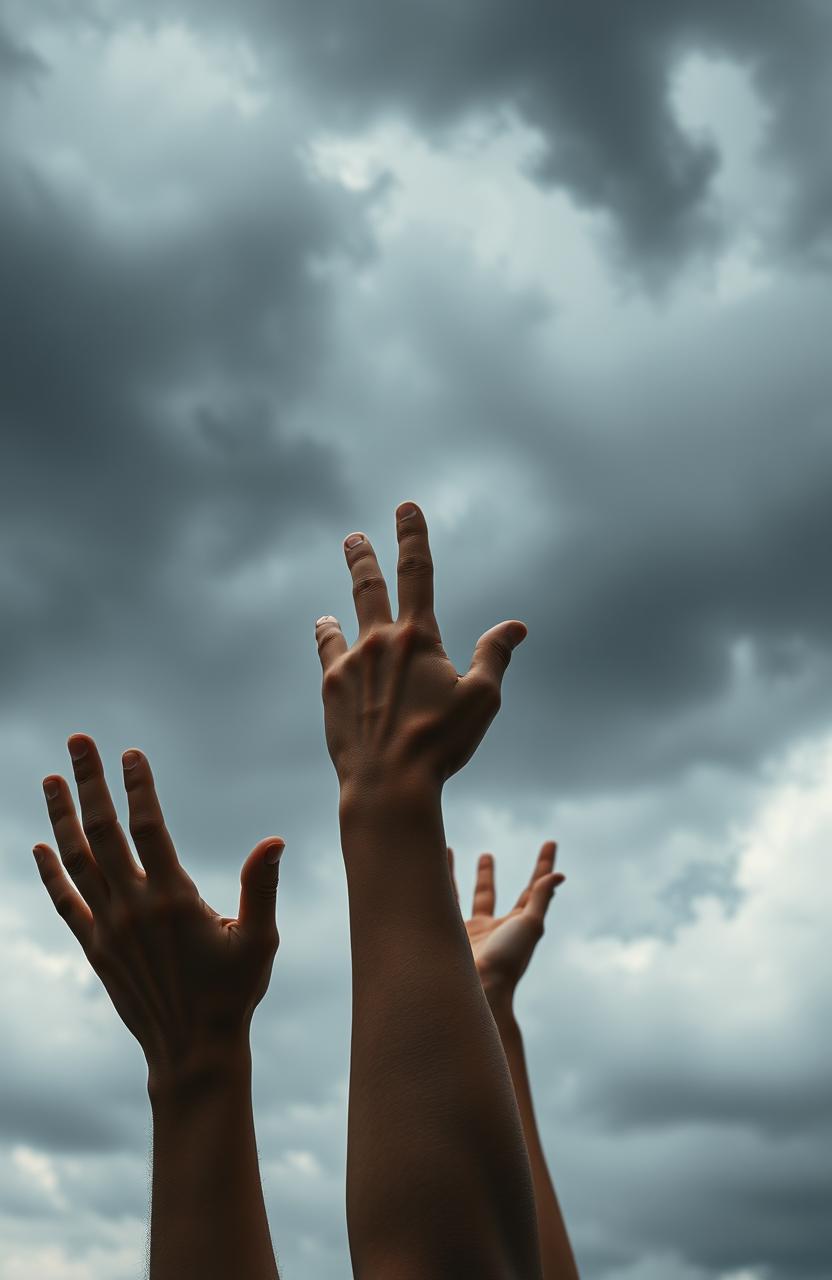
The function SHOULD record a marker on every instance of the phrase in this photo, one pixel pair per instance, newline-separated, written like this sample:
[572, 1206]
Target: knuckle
[367, 584]
[263, 892]
[63, 906]
[325, 636]
[99, 824]
[409, 635]
[488, 694]
[502, 651]
[75, 860]
[415, 565]
[144, 826]
[333, 681]
[96, 952]
[371, 645]
[266, 941]
[169, 901]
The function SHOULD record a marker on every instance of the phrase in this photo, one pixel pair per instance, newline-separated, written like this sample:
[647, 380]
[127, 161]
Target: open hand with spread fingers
[504, 945]
[186, 982]
[398, 715]
[184, 979]
[400, 720]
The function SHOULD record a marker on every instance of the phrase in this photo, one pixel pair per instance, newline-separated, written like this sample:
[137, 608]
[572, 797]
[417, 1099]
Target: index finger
[543, 866]
[415, 567]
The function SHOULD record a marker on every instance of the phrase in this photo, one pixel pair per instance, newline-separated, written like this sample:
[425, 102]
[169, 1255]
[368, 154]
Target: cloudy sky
[561, 273]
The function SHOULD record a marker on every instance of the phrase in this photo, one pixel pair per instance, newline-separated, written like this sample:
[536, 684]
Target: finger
[330, 640]
[147, 825]
[258, 890]
[451, 872]
[493, 652]
[543, 865]
[541, 896]
[72, 844]
[415, 567]
[369, 590]
[98, 815]
[484, 896]
[68, 902]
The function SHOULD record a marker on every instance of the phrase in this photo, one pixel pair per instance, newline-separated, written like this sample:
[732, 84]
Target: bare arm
[438, 1180]
[186, 982]
[502, 947]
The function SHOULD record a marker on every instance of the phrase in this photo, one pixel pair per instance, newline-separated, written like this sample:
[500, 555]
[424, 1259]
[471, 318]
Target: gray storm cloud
[217, 358]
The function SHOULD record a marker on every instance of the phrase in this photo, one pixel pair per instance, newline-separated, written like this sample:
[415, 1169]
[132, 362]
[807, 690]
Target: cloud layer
[562, 276]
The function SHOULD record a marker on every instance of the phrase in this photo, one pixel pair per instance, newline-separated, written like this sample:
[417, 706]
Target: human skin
[186, 982]
[502, 947]
[438, 1179]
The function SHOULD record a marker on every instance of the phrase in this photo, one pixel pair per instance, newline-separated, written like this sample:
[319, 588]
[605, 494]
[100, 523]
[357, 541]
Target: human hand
[398, 715]
[184, 979]
[504, 945]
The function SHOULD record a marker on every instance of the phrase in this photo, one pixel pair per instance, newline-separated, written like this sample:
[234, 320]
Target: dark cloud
[17, 62]
[214, 366]
[595, 79]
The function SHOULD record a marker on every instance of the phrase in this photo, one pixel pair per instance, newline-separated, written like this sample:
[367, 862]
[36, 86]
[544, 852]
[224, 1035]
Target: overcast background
[561, 273]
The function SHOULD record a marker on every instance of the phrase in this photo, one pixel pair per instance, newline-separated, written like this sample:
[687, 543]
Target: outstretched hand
[398, 715]
[504, 945]
[184, 979]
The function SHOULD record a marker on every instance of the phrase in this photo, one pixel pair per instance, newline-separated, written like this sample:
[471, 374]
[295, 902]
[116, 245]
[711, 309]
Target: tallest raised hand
[395, 705]
[438, 1179]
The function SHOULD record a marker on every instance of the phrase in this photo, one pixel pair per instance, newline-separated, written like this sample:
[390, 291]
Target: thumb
[258, 888]
[494, 649]
[542, 892]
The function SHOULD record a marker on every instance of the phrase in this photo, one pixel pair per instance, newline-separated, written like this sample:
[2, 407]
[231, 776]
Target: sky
[560, 273]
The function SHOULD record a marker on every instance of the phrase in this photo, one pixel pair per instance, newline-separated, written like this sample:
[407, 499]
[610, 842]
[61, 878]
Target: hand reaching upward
[184, 979]
[399, 717]
[504, 945]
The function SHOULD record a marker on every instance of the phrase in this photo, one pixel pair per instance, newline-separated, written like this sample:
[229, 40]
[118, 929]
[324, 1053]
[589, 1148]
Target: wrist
[500, 997]
[397, 799]
[200, 1072]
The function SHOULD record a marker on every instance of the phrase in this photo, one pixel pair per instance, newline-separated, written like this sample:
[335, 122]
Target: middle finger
[98, 815]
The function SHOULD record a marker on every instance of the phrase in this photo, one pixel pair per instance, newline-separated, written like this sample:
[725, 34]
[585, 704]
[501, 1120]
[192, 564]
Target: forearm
[208, 1219]
[555, 1249]
[437, 1174]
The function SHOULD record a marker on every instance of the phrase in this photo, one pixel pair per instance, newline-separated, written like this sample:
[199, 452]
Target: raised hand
[397, 712]
[504, 945]
[184, 979]
[400, 720]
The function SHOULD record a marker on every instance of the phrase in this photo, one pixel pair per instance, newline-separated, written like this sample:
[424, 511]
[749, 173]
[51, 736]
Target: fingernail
[406, 510]
[273, 853]
[50, 788]
[130, 759]
[38, 852]
[353, 540]
[326, 618]
[78, 748]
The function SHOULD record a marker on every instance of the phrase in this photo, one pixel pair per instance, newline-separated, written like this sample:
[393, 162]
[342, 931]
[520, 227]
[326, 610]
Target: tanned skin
[502, 947]
[438, 1178]
[186, 982]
